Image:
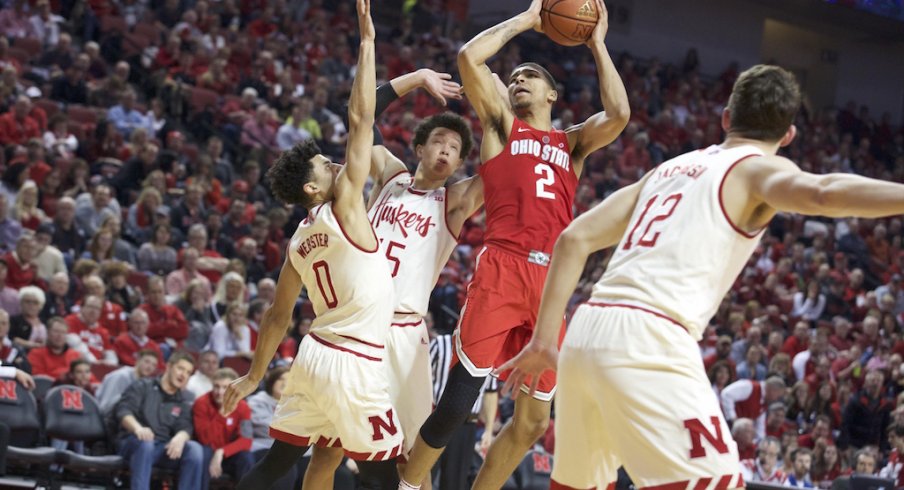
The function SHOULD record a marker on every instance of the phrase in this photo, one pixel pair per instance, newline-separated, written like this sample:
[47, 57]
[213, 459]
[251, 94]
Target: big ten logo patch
[698, 431]
[542, 463]
[72, 400]
[380, 426]
[8, 390]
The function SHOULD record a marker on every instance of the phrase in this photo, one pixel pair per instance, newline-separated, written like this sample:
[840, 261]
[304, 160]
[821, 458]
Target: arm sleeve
[733, 393]
[130, 403]
[7, 372]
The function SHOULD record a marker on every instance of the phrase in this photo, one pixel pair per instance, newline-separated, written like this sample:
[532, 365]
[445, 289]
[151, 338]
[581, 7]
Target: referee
[455, 463]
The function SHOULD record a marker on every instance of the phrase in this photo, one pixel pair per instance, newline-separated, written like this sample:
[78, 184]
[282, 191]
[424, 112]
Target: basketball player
[337, 396]
[530, 172]
[633, 390]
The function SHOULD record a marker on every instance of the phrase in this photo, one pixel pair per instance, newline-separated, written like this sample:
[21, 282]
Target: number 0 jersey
[349, 287]
[414, 238]
[681, 253]
[529, 190]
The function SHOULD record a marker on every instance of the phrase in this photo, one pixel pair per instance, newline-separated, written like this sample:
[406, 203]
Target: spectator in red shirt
[841, 339]
[80, 375]
[87, 336]
[21, 272]
[799, 341]
[168, 325]
[777, 423]
[53, 359]
[722, 353]
[128, 344]
[16, 126]
[744, 435]
[226, 438]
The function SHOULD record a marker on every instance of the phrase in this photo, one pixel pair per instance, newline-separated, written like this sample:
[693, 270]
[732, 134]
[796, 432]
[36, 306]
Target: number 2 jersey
[349, 287]
[681, 252]
[414, 238]
[529, 190]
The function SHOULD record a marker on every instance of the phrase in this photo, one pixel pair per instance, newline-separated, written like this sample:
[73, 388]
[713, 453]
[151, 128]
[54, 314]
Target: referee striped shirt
[441, 351]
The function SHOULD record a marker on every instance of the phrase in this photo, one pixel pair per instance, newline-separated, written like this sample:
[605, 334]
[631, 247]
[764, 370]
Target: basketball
[569, 22]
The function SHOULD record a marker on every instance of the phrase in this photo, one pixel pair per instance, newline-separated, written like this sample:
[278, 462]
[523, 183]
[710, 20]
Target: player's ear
[419, 152]
[726, 120]
[553, 96]
[789, 136]
[311, 188]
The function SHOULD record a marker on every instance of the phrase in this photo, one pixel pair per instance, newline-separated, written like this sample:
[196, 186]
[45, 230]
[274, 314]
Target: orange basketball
[569, 22]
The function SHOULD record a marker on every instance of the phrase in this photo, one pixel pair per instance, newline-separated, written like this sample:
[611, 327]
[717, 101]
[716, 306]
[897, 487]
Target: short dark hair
[800, 451]
[272, 377]
[447, 120]
[76, 363]
[763, 103]
[291, 171]
[145, 353]
[180, 355]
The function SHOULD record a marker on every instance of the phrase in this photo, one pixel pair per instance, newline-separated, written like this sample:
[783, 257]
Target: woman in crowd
[230, 289]
[26, 329]
[157, 256]
[231, 336]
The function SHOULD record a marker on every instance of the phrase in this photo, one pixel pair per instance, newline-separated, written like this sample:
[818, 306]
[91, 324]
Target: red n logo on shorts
[72, 400]
[8, 390]
[379, 425]
[541, 463]
[699, 431]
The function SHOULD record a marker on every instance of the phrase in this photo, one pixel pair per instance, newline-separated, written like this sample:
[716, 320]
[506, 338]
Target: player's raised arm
[351, 180]
[601, 227]
[477, 79]
[780, 184]
[275, 323]
[602, 128]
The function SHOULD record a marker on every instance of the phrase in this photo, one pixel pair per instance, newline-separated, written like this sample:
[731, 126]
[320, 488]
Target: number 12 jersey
[681, 252]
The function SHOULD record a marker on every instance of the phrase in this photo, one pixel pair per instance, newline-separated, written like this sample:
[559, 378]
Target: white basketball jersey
[681, 253]
[414, 239]
[349, 287]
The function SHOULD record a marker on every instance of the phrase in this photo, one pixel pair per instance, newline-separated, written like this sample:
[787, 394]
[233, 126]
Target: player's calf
[322, 468]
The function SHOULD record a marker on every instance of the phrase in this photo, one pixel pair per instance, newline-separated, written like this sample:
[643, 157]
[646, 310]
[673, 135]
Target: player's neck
[768, 148]
[536, 119]
[422, 182]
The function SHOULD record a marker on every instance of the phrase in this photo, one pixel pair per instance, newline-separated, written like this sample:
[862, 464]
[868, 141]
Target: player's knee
[327, 458]
[532, 427]
[453, 408]
[378, 474]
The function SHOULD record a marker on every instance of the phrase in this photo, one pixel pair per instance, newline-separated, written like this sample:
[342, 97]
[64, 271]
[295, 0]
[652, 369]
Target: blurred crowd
[136, 220]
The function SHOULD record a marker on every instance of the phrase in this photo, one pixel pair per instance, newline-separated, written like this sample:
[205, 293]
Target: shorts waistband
[598, 303]
[350, 345]
[536, 257]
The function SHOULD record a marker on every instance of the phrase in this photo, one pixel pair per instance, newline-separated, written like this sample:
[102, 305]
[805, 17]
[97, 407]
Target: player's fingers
[445, 76]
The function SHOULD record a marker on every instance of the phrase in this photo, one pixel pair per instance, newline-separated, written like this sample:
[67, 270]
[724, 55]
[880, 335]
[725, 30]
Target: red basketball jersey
[528, 190]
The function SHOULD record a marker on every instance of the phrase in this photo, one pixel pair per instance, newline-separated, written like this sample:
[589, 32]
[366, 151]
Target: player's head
[762, 106]
[303, 176]
[441, 143]
[529, 85]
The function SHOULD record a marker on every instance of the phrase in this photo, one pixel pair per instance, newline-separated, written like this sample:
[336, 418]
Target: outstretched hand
[236, 392]
[441, 86]
[527, 367]
[598, 36]
[365, 23]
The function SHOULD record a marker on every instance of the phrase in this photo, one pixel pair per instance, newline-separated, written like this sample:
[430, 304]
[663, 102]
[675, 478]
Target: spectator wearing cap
[157, 256]
[58, 298]
[48, 259]
[124, 115]
[746, 398]
[127, 345]
[257, 133]
[87, 336]
[21, 271]
[226, 437]
[53, 359]
[116, 382]
[16, 126]
[168, 325]
[721, 353]
[9, 297]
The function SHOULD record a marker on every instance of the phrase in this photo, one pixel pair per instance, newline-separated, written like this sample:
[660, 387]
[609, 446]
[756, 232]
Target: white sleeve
[8, 372]
[799, 364]
[733, 393]
[746, 473]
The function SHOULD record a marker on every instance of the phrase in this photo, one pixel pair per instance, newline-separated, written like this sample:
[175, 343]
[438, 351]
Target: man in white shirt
[202, 380]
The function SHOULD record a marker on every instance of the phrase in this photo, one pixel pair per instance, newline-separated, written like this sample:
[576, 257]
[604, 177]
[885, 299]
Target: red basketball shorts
[499, 315]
